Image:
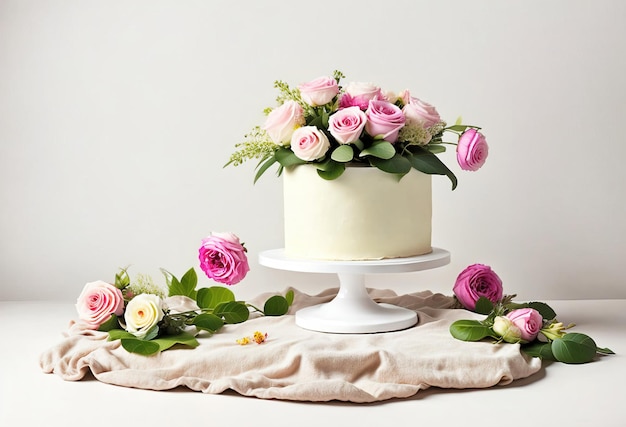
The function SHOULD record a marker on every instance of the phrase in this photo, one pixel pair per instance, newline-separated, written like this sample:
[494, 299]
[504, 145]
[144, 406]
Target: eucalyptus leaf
[276, 305]
[136, 345]
[209, 298]
[574, 348]
[470, 330]
[287, 158]
[483, 306]
[396, 165]
[379, 149]
[331, 170]
[543, 350]
[232, 312]
[343, 154]
[208, 322]
[426, 162]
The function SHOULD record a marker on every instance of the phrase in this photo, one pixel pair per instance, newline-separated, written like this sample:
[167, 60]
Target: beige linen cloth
[297, 364]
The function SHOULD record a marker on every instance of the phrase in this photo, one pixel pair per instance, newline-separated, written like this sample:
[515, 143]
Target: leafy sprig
[552, 343]
[217, 306]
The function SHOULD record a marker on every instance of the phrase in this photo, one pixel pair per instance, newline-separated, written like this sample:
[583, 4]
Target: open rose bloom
[475, 281]
[97, 302]
[223, 258]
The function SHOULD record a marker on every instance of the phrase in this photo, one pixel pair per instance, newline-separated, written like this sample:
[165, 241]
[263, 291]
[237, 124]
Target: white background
[116, 118]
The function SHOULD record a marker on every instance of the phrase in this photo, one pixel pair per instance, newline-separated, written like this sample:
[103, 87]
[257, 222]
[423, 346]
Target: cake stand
[353, 310]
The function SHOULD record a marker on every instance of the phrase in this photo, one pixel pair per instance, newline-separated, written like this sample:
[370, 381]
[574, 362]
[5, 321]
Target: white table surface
[568, 395]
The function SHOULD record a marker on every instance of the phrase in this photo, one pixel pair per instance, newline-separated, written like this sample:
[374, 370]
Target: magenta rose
[346, 125]
[319, 91]
[477, 280]
[309, 143]
[223, 258]
[282, 121]
[97, 302]
[384, 119]
[472, 150]
[529, 322]
[359, 94]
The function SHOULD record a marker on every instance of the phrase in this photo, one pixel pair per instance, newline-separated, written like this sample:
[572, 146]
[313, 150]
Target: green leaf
[469, 330]
[436, 148]
[276, 305]
[343, 154]
[457, 127]
[112, 323]
[287, 158]
[122, 279]
[426, 162]
[232, 312]
[330, 170]
[397, 164]
[574, 348]
[116, 334]
[183, 338]
[152, 333]
[263, 166]
[605, 350]
[483, 306]
[289, 296]
[379, 149]
[188, 282]
[539, 349]
[209, 298]
[136, 345]
[208, 322]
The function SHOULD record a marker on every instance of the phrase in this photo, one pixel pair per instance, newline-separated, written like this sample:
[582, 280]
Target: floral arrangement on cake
[533, 325]
[148, 319]
[329, 125]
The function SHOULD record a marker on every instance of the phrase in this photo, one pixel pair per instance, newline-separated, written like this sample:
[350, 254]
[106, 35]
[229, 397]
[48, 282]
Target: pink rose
[319, 91]
[309, 143]
[283, 120]
[477, 280]
[529, 322]
[420, 113]
[359, 94]
[347, 125]
[97, 302]
[223, 258]
[472, 150]
[384, 119]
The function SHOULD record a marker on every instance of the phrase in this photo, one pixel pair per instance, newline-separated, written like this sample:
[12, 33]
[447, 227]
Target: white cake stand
[353, 310]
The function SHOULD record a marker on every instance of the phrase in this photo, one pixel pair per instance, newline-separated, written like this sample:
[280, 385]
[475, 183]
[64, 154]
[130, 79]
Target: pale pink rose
[359, 94]
[475, 281]
[421, 113]
[309, 143]
[346, 125]
[384, 119]
[472, 150]
[529, 322]
[283, 120]
[223, 258]
[319, 91]
[97, 302]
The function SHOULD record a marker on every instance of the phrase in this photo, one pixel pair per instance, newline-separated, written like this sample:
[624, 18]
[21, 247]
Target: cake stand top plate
[276, 258]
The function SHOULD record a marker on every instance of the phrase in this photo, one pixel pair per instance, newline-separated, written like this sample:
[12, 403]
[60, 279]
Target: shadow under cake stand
[353, 310]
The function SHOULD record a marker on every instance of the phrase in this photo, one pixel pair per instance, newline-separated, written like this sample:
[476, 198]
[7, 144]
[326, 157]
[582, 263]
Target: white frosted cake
[365, 214]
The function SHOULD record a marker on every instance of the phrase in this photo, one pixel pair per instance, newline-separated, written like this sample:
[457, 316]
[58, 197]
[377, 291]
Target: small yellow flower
[259, 337]
[244, 341]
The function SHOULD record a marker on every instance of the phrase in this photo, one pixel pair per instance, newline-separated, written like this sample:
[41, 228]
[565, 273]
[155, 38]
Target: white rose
[506, 329]
[309, 143]
[366, 90]
[142, 313]
[283, 120]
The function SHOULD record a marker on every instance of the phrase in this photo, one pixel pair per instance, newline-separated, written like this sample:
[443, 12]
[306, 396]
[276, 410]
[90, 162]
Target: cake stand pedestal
[353, 310]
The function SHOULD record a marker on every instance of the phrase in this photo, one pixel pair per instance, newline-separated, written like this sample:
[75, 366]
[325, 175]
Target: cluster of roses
[222, 258]
[363, 108]
[521, 325]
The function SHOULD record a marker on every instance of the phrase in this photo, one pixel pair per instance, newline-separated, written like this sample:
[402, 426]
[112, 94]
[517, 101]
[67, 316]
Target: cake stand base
[353, 311]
